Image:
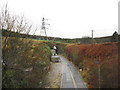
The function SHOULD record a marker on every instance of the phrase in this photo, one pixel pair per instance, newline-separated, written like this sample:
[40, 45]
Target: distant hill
[6, 33]
[87, 40]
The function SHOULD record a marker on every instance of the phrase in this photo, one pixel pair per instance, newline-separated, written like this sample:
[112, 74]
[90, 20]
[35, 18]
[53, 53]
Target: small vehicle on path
[55, 59]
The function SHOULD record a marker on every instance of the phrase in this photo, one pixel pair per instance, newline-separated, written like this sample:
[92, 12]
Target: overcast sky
[69, 18]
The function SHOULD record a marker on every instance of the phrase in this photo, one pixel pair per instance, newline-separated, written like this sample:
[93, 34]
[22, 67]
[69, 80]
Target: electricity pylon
[43, 27]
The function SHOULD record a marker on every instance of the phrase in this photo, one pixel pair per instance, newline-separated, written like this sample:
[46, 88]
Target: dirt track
[54, 76]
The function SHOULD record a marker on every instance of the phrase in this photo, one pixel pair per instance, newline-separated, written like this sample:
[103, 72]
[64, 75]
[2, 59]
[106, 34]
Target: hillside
[87, 40]
[26, 58]
[86, 57]
[24, 61]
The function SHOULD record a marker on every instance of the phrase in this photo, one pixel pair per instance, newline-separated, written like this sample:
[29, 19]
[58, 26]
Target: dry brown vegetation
[85, 56]
[26, 63]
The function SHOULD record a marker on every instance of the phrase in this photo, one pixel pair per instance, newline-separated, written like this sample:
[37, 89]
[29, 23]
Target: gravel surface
[54, 76]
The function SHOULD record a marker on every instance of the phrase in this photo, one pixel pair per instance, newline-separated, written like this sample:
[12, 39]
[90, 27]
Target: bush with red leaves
[85, 56]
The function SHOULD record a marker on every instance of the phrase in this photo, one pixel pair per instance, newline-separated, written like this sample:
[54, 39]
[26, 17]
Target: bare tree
[9, 22]
[14, 23]
[18, 53]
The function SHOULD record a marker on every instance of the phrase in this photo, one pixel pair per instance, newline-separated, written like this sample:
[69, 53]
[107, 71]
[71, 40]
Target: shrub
[26, 63]
[85, 56]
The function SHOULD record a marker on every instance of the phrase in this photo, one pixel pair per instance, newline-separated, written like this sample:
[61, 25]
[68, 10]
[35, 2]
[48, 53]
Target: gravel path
[54, 76]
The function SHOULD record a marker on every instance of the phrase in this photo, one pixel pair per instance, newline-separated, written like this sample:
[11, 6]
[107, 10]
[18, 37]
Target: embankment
[98, 63]
[26, 62]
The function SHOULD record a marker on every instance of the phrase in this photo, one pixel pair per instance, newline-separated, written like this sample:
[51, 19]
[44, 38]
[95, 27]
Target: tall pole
[92, 35]
[99, 74]
[99, 70]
